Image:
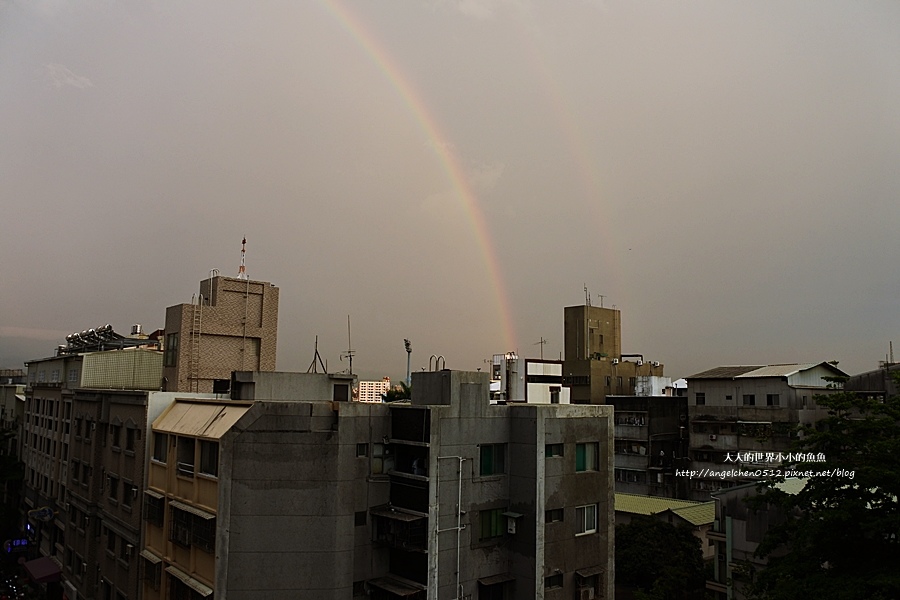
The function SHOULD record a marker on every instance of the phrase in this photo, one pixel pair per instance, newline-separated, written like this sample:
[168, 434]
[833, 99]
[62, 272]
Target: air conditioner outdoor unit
[586, 593]
[655, 363]
[640, 362]
[615, 361]
[129, 548]
[713, 437]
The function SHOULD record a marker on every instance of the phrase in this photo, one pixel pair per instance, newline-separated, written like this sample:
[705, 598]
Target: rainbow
[382, 59]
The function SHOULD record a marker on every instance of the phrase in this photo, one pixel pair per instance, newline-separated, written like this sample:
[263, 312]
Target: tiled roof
[778, 370]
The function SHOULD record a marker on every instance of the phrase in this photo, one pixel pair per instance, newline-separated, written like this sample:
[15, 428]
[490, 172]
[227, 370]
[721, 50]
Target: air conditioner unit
[134, 492]
[713, 437]
[655, 363]
[640, 363]
[586, 593]
[615, 361]
[129, 548]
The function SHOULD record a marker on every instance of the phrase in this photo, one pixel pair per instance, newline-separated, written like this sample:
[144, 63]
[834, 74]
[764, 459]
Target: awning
[154, 494]
[43, 570]
[512, 515]
[150, 556]
[192, 509]
[495, 579]
[396, 515]
[589, 572]
[198, 586]
[400, 588]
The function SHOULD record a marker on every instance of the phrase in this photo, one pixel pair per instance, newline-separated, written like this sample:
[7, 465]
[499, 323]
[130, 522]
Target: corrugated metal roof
[778, 370]
[648, 505]
[726, 372]
[199, 419]
[701, 514]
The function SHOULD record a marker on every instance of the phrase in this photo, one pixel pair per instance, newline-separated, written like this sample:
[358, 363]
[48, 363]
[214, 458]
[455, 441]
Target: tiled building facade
[231, 326]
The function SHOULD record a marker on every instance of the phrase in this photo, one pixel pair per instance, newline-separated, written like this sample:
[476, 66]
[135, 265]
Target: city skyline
[455, 173]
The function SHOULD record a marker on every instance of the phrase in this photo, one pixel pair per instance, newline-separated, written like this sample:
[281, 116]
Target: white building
[372, 391]
[530, 380]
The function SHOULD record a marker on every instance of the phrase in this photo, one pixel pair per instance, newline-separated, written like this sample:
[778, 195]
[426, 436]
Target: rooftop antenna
[891, 346]
[242, 270]
[350, 351]
[602, 296]
[316, 361]
[541, 344]
[587, 296]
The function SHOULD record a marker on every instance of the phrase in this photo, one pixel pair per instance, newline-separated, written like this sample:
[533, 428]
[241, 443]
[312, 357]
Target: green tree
[841, 536]
[659, 560]
[400, 391]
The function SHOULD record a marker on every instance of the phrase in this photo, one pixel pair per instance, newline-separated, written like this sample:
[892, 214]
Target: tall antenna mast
[541, 343]
[242, 270]
[350, 351]
[587, 296]
[317, 360]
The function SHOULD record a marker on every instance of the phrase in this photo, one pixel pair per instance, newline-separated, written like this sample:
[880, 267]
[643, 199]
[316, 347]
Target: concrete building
[736, 533]
[373, 391]
[736, 410]
[594, 365]
[881, 381]
[231, 326]
[651, 441]
[288, 491]
[536, 381]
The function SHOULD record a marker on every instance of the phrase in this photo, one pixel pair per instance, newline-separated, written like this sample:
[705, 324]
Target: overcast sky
[454, 172]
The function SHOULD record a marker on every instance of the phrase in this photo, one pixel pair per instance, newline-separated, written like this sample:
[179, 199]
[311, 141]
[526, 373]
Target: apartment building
[373, 391]
[651, 442]
[741, 410]
[231, 326]
[594, 365]
[286, 491]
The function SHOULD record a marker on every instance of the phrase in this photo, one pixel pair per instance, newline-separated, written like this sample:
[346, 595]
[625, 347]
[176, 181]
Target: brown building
[231, 326]
[594, 365]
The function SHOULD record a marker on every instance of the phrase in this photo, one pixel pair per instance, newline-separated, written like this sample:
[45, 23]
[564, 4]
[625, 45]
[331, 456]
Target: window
[493, 459]
[110, 541]
[160, 447]
[749, 400]
[341, 393]
[554, 515]
[181, 527]
[86, 473]
[153, 509]
[113, 483]
[54, 376]
[131, 434]
[586, 519]
[76, 471]
[152, 571]
[185, 456]
[171, 353]
[359, 518]
[700, 398]
[209, 458]
[773, 400]
[553, 581]
[129, 492]
[125, 550]
[608, 381]
[553, 450]
[619, 382]
[73, 375]
[586, 456]
[362, 450]
[492, 522]
[203, 534]
[554, 394]
[116, 431]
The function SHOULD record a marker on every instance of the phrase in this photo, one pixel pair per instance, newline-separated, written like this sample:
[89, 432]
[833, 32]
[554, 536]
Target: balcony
[632, 432]
[631, 461]
[399, 529]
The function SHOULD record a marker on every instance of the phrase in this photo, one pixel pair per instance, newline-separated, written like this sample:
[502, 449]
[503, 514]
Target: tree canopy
[660, 560]
[841, 537]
